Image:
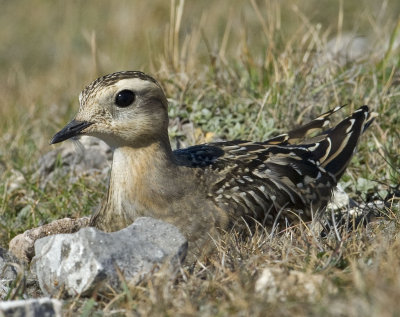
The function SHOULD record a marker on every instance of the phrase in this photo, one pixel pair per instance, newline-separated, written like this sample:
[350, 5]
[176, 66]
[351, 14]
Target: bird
[208, 188]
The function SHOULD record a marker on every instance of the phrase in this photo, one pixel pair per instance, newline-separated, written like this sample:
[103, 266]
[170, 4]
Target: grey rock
[77, 263]
[15, 279]
[349, 48]
[41, 307]
[8, 271]
[85, 156]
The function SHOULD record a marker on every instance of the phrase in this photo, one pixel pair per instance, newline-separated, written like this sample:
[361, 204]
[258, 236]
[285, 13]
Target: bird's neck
[141, 166]
[141, 180]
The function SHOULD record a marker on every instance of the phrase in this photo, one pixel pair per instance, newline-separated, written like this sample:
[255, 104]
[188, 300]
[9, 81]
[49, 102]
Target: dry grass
[232, 69]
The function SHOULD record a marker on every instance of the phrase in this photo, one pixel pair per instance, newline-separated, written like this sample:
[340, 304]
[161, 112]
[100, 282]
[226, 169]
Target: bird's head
[123, 109]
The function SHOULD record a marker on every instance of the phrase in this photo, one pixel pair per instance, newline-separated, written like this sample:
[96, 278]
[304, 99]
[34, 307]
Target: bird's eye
[124, 98]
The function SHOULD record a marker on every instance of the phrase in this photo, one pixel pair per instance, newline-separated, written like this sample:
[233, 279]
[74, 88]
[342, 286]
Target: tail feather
[343, 140]
[301, 132]
[316, 124]
[334, 147]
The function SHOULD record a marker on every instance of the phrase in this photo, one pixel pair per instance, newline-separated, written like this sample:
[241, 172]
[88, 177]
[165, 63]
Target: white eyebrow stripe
[135, 84]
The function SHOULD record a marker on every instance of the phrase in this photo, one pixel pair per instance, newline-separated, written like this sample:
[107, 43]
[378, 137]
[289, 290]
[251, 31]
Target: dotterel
[207, 187]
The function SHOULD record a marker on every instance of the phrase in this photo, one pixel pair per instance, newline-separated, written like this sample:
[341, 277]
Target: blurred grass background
[51, 49]
[233, 69]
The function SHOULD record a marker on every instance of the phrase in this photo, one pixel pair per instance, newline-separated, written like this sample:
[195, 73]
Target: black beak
[70, 130]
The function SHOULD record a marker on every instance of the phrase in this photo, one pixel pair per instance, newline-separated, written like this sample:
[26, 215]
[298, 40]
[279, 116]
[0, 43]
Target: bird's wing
[266, 177]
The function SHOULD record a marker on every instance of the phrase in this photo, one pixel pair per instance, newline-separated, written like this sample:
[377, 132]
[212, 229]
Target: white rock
[82, 261]
[339, 200]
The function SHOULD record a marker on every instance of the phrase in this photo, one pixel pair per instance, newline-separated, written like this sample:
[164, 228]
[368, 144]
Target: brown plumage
[212, 186]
